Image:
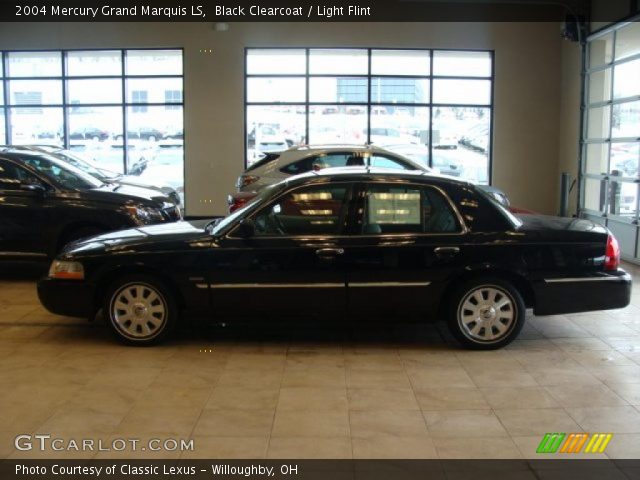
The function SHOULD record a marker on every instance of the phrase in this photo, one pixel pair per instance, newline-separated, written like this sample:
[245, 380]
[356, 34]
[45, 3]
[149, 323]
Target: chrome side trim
[581, 279]
[202, 285]
[389, 284]
[277, 285]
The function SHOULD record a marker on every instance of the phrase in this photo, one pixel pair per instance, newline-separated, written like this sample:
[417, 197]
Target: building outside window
[434, 106]
[109, 106]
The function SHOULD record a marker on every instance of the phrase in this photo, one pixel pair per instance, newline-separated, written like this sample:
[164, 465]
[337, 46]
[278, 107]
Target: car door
[23, 212]
[406, 242]
[293, 264]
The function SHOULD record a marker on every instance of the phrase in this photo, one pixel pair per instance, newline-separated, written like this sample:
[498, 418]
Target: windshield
[220, 224]
[61, 172]
[81, 164]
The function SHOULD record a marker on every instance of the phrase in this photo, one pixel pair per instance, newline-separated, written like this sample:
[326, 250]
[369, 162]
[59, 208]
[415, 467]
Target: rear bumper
[583, 294]
[71, 298]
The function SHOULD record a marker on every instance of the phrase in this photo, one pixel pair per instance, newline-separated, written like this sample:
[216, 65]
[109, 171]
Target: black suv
[46, 203]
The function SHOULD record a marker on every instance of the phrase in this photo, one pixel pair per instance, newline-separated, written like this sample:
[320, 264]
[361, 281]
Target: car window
[316, 210]
[80, 163]
[11, 177]
[62, 173]
[329, 160]
[381, 161]
[407, 209]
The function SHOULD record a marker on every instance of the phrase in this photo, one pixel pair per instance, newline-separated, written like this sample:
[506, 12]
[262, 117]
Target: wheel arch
[108, 278]
[519, 282]
[66, 230]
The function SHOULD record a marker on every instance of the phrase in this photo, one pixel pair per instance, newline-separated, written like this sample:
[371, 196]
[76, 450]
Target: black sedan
[351, 243]
[46, 203]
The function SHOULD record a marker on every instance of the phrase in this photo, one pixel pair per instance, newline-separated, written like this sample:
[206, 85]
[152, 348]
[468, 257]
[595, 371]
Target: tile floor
[405, 392]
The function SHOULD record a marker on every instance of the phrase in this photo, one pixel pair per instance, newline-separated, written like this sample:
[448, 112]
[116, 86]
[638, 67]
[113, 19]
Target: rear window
[482, 213]
[269, 157]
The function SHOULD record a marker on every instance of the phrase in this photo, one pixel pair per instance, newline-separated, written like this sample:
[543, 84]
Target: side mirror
[246, 228]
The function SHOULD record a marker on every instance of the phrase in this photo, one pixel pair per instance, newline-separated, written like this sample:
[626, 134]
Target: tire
[486, 313]
[77, 234]
[152, 315]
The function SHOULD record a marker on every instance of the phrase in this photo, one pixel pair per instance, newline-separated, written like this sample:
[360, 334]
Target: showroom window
[120, 109]
[610, 172]
[434, 106]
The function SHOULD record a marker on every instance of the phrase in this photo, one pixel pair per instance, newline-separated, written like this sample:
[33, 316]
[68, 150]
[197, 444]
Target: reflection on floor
[352, 393]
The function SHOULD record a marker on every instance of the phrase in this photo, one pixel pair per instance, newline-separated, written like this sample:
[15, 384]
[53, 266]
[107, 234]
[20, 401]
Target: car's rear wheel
[140, 310]
[485, 314]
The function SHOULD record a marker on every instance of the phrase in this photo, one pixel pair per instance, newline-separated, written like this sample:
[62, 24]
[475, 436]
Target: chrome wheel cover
[487, 314]
[138, 311]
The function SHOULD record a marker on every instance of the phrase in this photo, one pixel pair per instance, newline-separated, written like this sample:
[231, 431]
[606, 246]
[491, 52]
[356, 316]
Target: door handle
[329, 252]
[446, 250]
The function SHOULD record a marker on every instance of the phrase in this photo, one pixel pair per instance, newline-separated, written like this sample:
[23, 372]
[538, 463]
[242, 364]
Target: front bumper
[71, 298]
[554, 296]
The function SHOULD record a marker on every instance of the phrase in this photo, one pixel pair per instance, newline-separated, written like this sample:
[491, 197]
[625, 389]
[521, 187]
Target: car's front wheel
[140, 310]
[485, 314]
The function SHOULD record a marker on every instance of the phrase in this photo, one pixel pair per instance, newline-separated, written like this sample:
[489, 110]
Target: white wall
[527, 88]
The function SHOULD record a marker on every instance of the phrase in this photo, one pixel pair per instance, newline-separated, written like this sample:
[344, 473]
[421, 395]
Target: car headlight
[66, 270]
[145, 215]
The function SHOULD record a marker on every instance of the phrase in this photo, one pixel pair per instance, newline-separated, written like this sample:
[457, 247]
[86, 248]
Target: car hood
[148, 238]
[133, 181]
[122, 193]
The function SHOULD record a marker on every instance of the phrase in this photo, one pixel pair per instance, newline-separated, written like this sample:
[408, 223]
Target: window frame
[369, 103]
[355, 190]
[361, 195]
[67, 107]
[46, 183]
[346, 215]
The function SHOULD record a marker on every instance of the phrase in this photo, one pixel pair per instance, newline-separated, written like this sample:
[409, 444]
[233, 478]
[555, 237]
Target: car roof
[295, 154]
[374, 173]
[338, 147]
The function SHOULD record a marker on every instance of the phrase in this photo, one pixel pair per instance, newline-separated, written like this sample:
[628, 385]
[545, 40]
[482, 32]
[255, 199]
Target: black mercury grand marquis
[354, 243]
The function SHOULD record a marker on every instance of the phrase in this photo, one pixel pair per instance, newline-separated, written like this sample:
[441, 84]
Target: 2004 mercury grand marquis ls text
[356, 243]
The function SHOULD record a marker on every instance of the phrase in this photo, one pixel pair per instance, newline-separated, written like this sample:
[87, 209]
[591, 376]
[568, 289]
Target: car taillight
[236, 203]
[244, 180]
[612, 255]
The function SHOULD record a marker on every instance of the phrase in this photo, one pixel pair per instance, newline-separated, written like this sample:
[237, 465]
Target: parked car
[175, 134]
[477, 138]
[445, 139]
[142, 133]
[277, 166]
[47, 203]
[89, 133]
[102, 174]
[351, 243]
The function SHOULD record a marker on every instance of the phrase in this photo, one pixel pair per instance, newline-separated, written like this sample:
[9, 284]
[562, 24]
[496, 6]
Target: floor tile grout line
[275, 410]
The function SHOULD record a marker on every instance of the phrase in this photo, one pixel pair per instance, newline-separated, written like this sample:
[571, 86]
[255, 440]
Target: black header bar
[291, 10]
